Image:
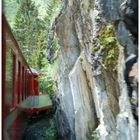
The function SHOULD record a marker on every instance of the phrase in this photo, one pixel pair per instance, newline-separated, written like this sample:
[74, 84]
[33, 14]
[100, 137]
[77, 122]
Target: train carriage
[17, 85]
[20, 95]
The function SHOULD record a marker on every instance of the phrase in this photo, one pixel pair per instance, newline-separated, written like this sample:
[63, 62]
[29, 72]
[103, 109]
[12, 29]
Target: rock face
[95, 41]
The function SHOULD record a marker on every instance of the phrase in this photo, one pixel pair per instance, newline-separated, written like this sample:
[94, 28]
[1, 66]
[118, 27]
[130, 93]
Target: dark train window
[14, 76]
[27, 84]
[9, 96]
[19, 81]
[23, 82]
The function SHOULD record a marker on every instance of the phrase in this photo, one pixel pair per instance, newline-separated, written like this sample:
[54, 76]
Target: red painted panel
[22, 92]
[21, 82]
[18, 84]
[7, 111]
[35, 110]
[16, 81]
[31, 85]
[16, 130]
[36, 85]
[3, 75]
[14, 75]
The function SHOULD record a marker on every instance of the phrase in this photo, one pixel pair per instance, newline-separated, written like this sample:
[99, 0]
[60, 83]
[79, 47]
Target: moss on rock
[110, 50]
[95, 48]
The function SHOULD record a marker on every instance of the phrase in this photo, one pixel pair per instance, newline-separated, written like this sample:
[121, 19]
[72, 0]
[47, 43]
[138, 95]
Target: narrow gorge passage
[86, 54]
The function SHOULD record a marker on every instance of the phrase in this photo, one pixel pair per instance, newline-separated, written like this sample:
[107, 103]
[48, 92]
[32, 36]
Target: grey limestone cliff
[95, 39]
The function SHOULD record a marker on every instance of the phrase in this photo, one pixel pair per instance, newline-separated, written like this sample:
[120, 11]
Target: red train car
[17, 85]
[36, 102]
[20, 95]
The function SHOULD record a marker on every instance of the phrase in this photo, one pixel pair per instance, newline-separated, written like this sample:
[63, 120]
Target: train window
[9, 96]
[14, 76]
[19, 81]
[23, 82]
[27, 85]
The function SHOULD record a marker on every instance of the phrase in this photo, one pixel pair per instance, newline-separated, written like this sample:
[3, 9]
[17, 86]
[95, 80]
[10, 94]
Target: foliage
[10, 9]
[95, 48]
[52, 10]
[95, 135]
[46, 84]
[55, 43]
[110, 50]
[32, 34]
[28, 29]
[51, 133]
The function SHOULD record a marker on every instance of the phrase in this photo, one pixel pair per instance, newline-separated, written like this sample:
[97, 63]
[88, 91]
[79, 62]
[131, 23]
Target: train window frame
[26, 81]
[11, 105]
[27, 84]
[14, 77]
[28, 94]
[23, 81]
[18, 81]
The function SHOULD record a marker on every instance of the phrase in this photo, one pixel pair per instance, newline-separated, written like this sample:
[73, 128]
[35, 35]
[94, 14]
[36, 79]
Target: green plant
[46, 85]
[95, 48]
[51, 133]
[32, 32]
[95, 135]
[29, 32]
[110, 50]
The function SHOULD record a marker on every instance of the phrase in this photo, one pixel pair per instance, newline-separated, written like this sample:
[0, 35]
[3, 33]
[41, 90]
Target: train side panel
[17, 85]
[20, 88]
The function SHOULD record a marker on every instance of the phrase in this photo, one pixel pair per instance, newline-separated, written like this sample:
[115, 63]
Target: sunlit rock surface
[84, 109]
[92, 91]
